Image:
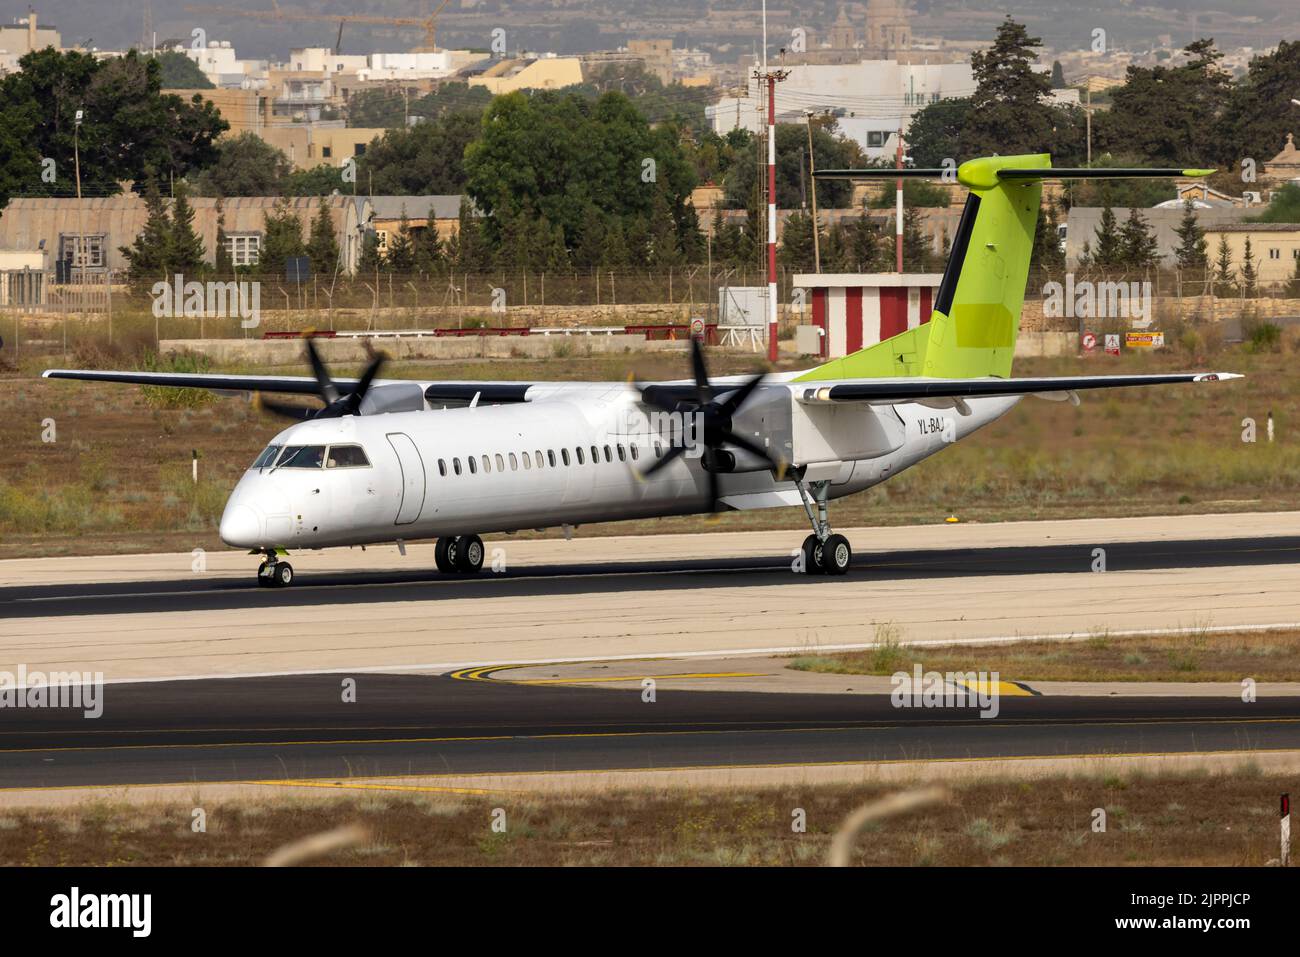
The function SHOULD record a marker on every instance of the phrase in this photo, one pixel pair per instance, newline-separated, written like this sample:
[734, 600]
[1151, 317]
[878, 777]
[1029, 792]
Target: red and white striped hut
[856, 310]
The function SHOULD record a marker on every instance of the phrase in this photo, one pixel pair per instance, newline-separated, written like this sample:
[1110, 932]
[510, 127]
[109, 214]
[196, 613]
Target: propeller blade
[703, 391]
[329, 393]
[299, 413]
[673, 452]
[737, 399]
[715, 492]
[651, 396]
[367, 377]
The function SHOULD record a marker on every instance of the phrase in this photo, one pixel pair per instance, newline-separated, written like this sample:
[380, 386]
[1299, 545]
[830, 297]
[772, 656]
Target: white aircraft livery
[397, 460]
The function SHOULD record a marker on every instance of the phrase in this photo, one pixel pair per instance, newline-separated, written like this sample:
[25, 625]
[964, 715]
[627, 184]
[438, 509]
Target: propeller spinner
[713, 409]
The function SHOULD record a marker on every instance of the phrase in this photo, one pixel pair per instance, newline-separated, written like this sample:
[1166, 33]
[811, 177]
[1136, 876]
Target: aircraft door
[413, 479]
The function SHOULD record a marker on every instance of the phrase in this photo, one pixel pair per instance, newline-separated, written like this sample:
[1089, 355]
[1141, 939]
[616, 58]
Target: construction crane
[428, 24]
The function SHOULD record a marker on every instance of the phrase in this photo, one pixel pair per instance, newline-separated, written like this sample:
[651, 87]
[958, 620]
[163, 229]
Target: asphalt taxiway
[306, 728]
[723, 593]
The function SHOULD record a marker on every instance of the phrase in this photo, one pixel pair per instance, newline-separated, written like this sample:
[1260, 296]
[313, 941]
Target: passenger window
[501, 463]
[581, 461]
[635, 454]
[442, 466]
[487, 464]
[267, 457]
[564, 454]
[608, 456]
[455, 464]
[347, 457]
[528, 463]
[550, 456]
[659, 451]
[473, 466]
[302, 457]
[538, 455]
[622, 453]
[514, 463]
[595, 455]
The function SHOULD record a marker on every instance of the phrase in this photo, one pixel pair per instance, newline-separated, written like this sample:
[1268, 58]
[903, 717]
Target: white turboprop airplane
[395, 460]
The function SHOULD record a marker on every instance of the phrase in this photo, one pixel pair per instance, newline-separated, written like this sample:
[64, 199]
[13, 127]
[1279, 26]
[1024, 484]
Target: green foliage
[130, 131]
[1047, 252]
[1108, 249]
[322, 246]
[1138, 246]
[1191, 251]
[401, 250]
[830, 151]
[281, 239]
[320, 180]
[1283, 208]
[165, 397]
[1223, 272]
[916, 192]
[389, 109]
[424, 160]
[556, 156]
[246, 165]
[1168, 115]
[1249, 271]
[168, 243]
[179, 72]
[1009, 112]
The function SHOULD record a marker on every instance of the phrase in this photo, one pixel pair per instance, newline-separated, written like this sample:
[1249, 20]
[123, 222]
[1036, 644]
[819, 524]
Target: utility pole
[770, 77]
[81, 222]
[1088, 121]
[812, 179]
[898, 203]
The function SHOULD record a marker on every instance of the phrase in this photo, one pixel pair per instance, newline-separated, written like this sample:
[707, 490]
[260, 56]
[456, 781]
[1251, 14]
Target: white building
[872, 99]
[223, 68]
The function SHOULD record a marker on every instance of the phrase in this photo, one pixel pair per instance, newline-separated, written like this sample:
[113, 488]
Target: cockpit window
[267, 457]
[302, 457]
[346, 457]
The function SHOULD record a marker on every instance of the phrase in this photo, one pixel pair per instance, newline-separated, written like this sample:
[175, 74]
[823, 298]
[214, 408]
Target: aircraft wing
[288, 384]
[1049, 387]
[489, 393]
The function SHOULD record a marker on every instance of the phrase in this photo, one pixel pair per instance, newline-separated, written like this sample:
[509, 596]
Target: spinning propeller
[336, 403]
[711, 412]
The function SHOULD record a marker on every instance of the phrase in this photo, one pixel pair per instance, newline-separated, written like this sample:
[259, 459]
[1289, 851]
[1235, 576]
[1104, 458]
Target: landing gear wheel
[263, 576]
[442, 555]
[836, 555]
[282, 574]
[812, 556]
[469, 553]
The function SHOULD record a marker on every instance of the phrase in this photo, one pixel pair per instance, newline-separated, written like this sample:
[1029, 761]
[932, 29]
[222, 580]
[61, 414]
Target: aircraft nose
[241, 527]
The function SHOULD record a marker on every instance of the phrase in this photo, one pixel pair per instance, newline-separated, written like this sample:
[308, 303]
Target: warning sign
[1089, 342]
[1144, 340]
[1112, 343]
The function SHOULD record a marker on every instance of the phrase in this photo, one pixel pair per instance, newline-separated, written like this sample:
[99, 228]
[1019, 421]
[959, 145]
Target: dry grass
[1194, 819]
[1199, 655]
[117, 479]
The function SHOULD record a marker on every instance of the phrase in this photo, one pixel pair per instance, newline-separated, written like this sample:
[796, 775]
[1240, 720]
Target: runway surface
[182, 615]
[301, 727]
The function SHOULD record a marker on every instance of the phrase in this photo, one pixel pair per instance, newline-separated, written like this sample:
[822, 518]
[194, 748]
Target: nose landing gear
[274, 572]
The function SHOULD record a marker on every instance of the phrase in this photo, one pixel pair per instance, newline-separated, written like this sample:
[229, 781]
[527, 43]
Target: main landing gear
[824, 552]
[274, 572]
[459, 553]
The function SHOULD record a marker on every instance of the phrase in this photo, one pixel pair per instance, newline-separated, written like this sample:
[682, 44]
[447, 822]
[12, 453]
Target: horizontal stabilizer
[915, 390]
